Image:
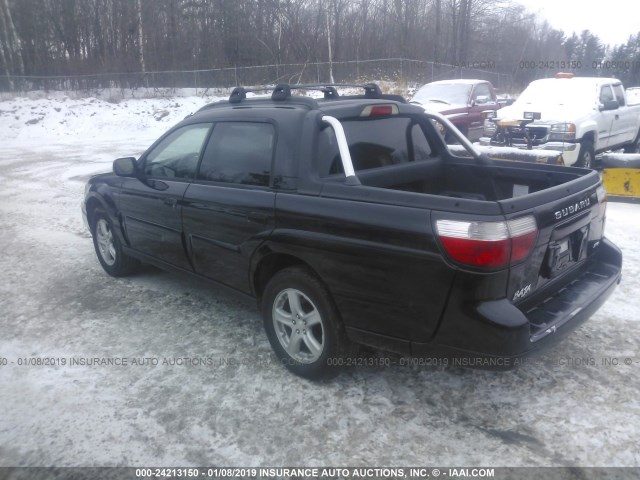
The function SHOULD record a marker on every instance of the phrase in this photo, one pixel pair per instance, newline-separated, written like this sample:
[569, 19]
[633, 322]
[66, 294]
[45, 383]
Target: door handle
[170, 202]
[617, 116]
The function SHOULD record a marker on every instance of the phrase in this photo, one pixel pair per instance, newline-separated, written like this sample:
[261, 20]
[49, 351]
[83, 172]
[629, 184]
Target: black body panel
[380, 262]
[151, 214]
[223, 226]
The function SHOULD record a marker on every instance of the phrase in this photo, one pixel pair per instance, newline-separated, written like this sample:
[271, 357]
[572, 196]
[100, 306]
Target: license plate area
[563, 253]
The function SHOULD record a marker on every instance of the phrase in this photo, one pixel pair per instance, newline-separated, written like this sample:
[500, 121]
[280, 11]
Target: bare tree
[67, 37]
[329, 47]
[13, 43]
[438, 30]
[140, 37]
[5, 65]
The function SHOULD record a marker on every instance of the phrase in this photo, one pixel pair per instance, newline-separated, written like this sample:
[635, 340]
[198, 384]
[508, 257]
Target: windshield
[557, 92]
[451, 93]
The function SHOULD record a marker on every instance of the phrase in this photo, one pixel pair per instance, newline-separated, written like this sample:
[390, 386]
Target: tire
[303, 324]
[586, 157]
[108, 247]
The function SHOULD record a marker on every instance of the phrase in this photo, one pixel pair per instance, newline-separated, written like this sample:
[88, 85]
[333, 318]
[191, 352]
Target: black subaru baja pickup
[351, 222]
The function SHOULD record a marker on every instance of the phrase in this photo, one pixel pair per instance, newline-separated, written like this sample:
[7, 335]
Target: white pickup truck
[577, 116]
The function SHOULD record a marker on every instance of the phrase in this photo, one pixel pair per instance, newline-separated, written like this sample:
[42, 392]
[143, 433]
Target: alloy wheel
[298, 325]
[104, 238]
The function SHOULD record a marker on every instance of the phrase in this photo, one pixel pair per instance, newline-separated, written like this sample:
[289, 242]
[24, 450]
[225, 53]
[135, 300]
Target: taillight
[488, 244]
[379, 110]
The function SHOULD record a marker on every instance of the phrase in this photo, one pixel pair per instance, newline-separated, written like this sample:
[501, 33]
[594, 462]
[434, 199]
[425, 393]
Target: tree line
[76, 37]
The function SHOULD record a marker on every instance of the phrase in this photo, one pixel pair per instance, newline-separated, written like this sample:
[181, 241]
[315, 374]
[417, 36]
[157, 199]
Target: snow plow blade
[621, 176]
[550, 157]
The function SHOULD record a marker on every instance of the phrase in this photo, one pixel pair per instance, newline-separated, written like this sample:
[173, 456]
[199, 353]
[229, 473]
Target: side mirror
[610, 105]
[125, 167]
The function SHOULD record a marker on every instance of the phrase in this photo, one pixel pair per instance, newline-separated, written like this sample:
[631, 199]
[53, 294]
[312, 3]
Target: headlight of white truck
[562, 132]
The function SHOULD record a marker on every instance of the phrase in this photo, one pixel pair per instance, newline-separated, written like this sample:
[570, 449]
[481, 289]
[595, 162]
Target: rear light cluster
[488, 244]
[380, 110]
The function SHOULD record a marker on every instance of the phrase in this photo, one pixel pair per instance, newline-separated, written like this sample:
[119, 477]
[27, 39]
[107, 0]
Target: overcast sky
[612, 20]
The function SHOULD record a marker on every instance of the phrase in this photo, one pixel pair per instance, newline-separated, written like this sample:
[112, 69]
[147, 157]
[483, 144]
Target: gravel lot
[229, 402]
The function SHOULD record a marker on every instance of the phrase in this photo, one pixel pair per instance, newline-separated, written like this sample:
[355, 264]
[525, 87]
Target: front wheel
[108, 247]
[586, 157]
[303, 324]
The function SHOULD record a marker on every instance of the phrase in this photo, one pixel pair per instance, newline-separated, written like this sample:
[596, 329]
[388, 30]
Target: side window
[239, 152]
[481, 93]
[177, 155]
[619, 92]
[606, 95]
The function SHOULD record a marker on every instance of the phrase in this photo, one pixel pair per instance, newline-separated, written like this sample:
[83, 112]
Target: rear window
[374, 143]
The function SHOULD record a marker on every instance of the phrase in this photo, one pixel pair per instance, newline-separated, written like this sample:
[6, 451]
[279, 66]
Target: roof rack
[282, 91]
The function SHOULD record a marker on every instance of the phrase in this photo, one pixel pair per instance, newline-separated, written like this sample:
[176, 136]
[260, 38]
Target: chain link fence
[405, 73]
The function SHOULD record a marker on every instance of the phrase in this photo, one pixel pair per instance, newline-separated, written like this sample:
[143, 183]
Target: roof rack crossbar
[371, 90]
[282, 91]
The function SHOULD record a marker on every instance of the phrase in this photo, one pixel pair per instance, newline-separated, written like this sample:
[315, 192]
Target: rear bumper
[497, 334]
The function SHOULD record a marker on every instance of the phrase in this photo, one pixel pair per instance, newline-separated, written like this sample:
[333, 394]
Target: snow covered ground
[230, 403]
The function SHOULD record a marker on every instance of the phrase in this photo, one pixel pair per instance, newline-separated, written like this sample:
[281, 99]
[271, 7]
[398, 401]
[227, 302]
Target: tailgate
[563, 272]
[569, 231]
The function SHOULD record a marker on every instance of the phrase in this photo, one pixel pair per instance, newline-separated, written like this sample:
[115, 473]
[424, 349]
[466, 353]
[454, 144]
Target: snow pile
[57, 119]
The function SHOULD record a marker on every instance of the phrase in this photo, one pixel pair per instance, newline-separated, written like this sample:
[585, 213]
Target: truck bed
[466, 179]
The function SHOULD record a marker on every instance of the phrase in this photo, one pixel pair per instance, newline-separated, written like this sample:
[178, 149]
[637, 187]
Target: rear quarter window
[374, 143]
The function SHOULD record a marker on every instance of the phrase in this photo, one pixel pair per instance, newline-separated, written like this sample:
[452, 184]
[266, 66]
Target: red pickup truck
[461, 101]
